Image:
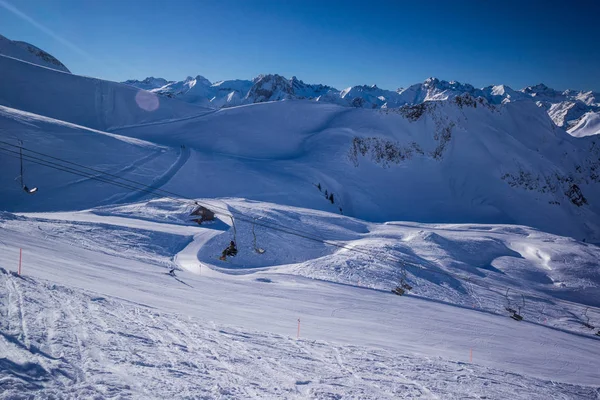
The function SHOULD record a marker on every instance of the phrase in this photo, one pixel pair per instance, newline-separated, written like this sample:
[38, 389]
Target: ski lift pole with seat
[587, 322]
[517, 314]
[257, 249]
[25, 188]
[231, 250]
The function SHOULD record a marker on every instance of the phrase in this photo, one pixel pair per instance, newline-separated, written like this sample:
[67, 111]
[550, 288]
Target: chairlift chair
[398, 290]
[514, 314]
[226, 253]
[25, 188]
[257, 249]
[517, 317]
[403, 283]
[587, 322]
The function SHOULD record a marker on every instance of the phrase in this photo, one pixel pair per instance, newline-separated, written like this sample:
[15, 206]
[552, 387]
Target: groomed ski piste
[94, 312]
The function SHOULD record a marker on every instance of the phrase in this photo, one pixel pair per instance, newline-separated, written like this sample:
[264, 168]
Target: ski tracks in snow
[64, 343]
[184, 155]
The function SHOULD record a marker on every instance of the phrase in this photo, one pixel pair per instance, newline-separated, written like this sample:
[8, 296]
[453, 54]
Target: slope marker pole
[20, 258]
[471, 355]
[298, 334]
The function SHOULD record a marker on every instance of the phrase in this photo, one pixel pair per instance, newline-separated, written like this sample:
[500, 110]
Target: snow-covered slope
[90, 102]
[95, 312]
[59, 189]
[587, 125]
[452, 161]
[28, 52]
[565, 108]
[487, 182]
[449, 161]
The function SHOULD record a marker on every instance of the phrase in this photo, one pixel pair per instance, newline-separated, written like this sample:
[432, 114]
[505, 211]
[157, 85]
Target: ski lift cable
[152, 188]
[239, 216]
[327, 242]
[69, 170]
[242, 217]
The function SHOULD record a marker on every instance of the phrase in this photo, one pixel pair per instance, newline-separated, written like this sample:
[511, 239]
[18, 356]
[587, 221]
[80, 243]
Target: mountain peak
[29, 53]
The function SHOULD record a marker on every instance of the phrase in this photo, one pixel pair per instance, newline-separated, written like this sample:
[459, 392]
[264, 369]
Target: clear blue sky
[341, 43]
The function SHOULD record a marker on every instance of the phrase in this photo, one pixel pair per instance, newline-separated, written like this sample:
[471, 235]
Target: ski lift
[587, 322]
[403, 280]
[403, 285]
[25, 188]
[398, 290]
[230, 250]
[514, 314]
[257, 249]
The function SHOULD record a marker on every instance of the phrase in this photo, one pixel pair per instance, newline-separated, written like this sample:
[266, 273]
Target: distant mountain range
[575, 111]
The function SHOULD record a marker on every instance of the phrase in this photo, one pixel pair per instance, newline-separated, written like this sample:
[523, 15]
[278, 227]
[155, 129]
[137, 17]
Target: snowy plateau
[482, 205]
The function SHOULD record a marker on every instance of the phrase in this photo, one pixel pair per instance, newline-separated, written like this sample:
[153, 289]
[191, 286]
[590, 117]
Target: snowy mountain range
[474, 201]
[576, 111]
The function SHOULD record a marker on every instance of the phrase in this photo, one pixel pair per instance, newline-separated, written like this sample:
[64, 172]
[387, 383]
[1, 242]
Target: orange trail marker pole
[471, 356]
[20, 258]
[298, 335]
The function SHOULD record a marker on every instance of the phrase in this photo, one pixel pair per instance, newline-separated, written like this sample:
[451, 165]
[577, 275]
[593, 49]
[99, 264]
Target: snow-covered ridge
[565, 108]
[30, 53]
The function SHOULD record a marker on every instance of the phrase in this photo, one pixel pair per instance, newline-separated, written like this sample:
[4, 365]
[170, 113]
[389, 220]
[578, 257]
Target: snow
[148, 83]
[564, 108]
[29, 53]
[96, 313]
[587, 125]
[90, 102]
[479, 204]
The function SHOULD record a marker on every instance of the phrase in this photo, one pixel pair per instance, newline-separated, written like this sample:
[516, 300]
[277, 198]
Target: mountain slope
[448, 161]
[58, 189]
[28, 52]
[455, 160]
[89, 102]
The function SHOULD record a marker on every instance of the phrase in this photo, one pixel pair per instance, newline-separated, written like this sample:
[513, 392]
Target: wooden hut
[202, 214]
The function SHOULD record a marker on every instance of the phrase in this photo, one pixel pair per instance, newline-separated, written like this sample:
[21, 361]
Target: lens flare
[146, 100]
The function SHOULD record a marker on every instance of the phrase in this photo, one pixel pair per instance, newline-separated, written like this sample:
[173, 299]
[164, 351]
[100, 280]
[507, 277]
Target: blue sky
[341, 43]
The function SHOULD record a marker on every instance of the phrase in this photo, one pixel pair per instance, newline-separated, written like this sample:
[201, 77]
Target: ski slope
[113, 320]
[480, 207]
